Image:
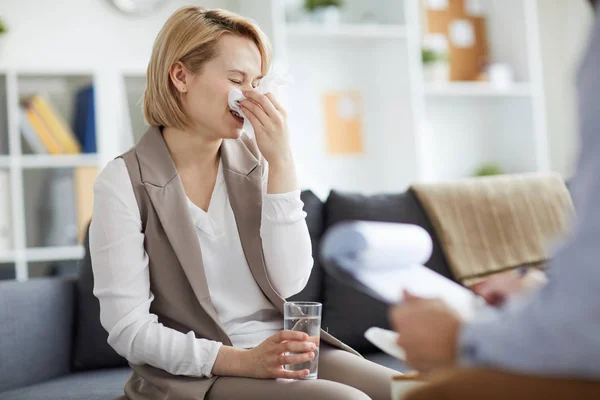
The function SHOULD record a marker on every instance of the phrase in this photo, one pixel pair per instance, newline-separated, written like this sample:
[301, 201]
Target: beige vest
[177, 280]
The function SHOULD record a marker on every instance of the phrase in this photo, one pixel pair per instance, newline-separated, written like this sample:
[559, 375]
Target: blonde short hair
[190, 36]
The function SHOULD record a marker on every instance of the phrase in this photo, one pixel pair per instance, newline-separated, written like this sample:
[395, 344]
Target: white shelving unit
[477, 89]
[42, 254]
[376, 31]
[29, 171]
[7, 257]
[468, 124]
[413, 130]
[59, 161]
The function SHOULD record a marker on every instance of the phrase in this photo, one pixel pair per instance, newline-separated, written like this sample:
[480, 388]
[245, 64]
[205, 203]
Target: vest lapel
[243, 177]
[164, 187]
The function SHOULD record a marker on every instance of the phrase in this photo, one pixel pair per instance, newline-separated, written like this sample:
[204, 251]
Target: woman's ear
[179, 76]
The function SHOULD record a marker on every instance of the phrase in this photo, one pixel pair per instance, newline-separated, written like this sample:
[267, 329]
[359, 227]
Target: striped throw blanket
[488, 225]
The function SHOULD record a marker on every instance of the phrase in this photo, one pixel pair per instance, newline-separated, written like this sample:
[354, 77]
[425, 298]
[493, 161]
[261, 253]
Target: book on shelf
[84, 123]
[84, 178]
[5, 214]
[42, 132]
[32, 136]
[60, 130]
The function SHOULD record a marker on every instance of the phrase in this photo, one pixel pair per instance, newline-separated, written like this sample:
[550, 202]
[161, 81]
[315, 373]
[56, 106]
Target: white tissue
[274, 79]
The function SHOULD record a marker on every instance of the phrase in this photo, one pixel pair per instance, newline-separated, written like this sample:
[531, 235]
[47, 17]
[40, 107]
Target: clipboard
[387, 286]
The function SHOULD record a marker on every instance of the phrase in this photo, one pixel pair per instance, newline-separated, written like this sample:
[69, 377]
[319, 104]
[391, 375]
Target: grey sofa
[53, 347]
[37, 334]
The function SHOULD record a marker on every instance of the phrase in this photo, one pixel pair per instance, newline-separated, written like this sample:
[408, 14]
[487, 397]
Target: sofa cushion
[313, 206]
[36, 323]
[105, 384]
[348, 313]
[91, 349]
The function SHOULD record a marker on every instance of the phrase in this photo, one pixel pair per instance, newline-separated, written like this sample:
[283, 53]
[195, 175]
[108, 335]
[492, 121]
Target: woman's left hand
[269, 120]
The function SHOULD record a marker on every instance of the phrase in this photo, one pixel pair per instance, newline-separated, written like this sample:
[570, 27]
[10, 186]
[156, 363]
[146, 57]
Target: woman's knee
[329, 390]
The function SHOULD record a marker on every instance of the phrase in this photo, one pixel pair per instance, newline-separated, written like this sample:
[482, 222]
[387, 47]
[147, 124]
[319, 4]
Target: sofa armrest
[36, 324]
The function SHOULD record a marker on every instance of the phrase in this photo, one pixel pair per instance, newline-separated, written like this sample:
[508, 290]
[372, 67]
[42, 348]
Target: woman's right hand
[268, 358]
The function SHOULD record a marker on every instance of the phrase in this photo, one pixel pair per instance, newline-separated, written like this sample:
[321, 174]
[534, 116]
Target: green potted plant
[489, 169]
[436, 67]
[324, 11]
[3, 30]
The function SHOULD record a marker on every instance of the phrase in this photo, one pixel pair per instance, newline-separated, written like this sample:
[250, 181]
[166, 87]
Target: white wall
[81, 33]
[564, 27]
[388, 161]
[92, 34]
[89, 35]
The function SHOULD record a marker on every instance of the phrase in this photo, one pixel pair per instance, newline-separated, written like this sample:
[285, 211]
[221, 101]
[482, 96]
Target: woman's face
[237, 65]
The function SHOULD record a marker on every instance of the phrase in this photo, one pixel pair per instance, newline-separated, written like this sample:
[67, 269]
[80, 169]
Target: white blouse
[122, 280]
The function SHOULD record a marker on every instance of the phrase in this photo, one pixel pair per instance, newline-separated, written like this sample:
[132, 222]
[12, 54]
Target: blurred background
[386, 93]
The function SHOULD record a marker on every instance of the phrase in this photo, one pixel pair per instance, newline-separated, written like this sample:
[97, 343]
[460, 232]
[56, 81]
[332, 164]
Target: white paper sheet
[423, 282]
[462, 33]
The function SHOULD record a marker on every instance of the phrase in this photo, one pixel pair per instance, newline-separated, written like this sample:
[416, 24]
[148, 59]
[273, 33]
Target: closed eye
[239, 83]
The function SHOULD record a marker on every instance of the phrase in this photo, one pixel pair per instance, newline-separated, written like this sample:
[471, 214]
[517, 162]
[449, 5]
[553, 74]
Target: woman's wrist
[231, 361]
[282, 161]
[282, 176]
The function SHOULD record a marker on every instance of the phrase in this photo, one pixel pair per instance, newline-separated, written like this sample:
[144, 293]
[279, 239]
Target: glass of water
[304, 316]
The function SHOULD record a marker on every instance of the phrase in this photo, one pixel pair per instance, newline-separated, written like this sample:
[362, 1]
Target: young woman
[195, 242]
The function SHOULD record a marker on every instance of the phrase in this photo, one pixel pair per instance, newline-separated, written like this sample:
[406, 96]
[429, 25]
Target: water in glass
[311, 326]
